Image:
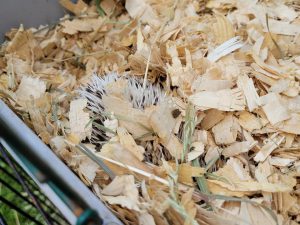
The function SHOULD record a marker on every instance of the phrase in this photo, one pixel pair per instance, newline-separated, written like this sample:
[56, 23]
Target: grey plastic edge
[9, 119]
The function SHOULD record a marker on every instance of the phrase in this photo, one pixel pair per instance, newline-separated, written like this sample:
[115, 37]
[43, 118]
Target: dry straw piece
[193, 106]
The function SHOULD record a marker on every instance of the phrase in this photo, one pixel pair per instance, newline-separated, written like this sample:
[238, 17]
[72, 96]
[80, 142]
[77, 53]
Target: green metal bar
[13, 185]
[44, 201]
[22, 212]
[73, 205]
[25, 187]
[59, 183]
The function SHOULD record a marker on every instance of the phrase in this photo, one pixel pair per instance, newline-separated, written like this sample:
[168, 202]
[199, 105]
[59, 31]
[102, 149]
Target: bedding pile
[193, 106]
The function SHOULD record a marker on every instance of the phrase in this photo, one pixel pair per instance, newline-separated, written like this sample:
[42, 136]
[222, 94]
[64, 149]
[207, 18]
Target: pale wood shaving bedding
[236, 62]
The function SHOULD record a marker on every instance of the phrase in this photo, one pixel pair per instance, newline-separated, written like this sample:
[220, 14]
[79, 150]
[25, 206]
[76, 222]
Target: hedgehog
[134, 92]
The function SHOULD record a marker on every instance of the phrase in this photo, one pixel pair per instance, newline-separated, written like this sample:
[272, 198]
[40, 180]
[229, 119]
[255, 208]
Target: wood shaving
[79, 120]
[122, 191]
[128, 142]
[30, 88]
[207, 109]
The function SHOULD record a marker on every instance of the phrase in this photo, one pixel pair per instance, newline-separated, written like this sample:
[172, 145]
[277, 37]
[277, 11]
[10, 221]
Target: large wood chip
[249, 121]
[134, 120]
[274, 108]
[80, 120]
[143, 10]
[123, 191]
[129, 143]
[246, 84]
[187, 172]
[272, 143]
[77, 8]
[75, 26]
[212, 117]
[162, 121]
[225, 132]
[88, 168]
[224, 100]
[223, 29]
[291, 125]
[30, 88]
[238, 148]
[201, 84]
[118, 153]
